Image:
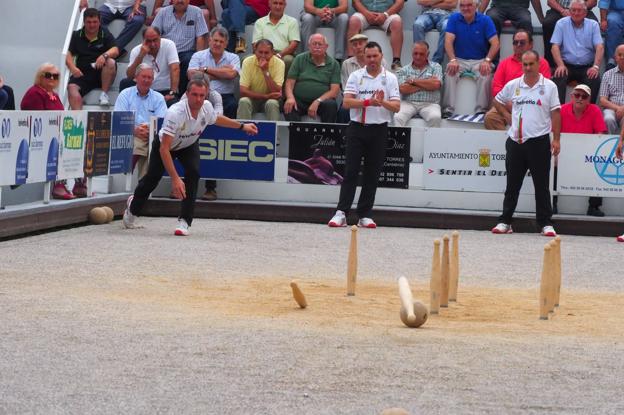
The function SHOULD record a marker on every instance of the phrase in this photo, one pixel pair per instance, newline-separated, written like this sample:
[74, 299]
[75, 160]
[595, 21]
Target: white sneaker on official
[129, 220]
[182, 229]
[338, 221]
[104, 99]
[548, 231]
[366, 223]
[502, 228]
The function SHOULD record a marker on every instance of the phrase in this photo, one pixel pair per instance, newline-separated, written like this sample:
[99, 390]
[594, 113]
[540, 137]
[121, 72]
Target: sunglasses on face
[519, 42]
[578, 95]
[50, 75]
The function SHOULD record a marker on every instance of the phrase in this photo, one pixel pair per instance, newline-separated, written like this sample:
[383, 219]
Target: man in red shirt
[579, 116]
[508, 69]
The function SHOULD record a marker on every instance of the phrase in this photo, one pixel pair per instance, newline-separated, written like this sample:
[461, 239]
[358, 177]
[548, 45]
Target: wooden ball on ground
[97, 216]
[394, 411]
[421, 313]
[110, 215]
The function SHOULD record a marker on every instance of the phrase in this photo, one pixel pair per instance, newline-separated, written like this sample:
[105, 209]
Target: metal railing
[75, 22]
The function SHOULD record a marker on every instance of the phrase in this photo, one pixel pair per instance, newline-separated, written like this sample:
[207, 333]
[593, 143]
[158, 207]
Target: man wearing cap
[534, 114]
[579, 116]
[612, 93]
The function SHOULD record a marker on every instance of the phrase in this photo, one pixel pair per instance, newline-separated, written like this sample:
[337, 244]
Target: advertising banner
[72, 145]
[121, 143]
[588, 167]
[316, 155]
[97, 149]
[44, 146]
[466, 160]
[14, 138]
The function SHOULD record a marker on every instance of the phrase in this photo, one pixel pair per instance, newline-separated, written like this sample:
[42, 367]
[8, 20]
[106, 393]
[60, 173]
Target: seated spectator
[42, 96]
[162, 56]
[559, 9]
[313, 83]
[329, 13]
[185, 26]
[508, 69]
[7, 100]
[420, 84]
[612, 23]
[222, 67]
[94, 50]
[382, 14]
[612, 93]
[145, 102]
[580, 117]
[470, 43]
[281, 29]
[577, 50]
[207, 7]
[236, 15]
[261, 81]
[435, 14]
[517, 11]
[130, 11]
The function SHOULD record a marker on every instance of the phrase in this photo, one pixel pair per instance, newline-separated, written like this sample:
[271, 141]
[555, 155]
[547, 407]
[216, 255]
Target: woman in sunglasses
[43, 97]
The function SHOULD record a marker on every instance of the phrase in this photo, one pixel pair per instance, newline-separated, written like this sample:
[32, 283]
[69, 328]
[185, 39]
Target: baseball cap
[583, 88]
[359, 36]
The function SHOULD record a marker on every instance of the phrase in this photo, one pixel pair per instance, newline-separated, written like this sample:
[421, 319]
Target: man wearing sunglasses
[508, 69]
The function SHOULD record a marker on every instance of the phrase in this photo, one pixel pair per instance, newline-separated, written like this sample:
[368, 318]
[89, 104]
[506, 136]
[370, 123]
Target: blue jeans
[235, 15]
[426, 22]
[615, 32]
[131, 28]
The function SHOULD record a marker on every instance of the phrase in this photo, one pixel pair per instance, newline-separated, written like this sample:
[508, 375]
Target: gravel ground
[98, 319]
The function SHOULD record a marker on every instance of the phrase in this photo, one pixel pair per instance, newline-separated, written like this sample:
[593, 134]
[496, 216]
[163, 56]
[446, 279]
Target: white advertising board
[44, 145]
[14, 137]
[72, 145]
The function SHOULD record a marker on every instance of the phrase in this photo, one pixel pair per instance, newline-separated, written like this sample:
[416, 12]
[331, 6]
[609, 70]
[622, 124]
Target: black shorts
[91, 79]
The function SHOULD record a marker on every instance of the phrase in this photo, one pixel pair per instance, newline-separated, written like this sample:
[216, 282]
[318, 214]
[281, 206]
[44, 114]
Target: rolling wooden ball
[97, 216]
[421, 313]
[110, 215]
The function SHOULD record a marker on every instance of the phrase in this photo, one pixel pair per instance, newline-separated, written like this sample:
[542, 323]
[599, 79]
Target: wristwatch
[105, 55]
[241, 126]
[319, 100]
[173, 92]
[488, 60]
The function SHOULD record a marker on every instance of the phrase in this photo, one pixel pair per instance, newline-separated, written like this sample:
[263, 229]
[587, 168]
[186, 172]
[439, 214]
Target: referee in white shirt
[178, 139]
[534, 114]
[372, 95]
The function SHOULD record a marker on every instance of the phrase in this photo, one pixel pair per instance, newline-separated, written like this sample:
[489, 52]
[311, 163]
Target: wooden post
[434, 286]
[352, 265]
[543, 295]
[445, 267]
[454, 266]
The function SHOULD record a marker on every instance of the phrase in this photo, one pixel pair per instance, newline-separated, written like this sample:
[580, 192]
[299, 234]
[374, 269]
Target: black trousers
[519, 16]
[327, 111]
[189, 158]
[577, 73]
[533, 155]
[366, 141]
[550, 20]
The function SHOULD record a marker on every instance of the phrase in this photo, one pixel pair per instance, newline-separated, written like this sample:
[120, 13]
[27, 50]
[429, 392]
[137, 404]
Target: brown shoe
[210, 195]
[241, 45]
[80, 189]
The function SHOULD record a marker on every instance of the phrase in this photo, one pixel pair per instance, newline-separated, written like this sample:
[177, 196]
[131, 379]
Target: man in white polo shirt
[372, 95]
[534, 114]
[178, 139]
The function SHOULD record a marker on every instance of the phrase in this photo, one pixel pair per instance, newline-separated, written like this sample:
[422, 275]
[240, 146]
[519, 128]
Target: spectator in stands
[313, 83]
[7, 100]
[534, 114]
[332, 13]
[281, 29]
[94, 50]
[372, 95]
[131, 11]
[470, 43]
[42, 96]
[185, 25]
[517, 11]
[261, 81]
[383, 14]
[207, 6]
[577, 50]
[612, 22]
[559, 9]
[434, 16]
[508, 69]
[162, 56]
[145, 102]
[236, 15]
[612, 93]
[580, 117]
[420, 84]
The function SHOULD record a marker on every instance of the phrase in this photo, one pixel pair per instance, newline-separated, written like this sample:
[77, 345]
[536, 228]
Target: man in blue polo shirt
[471, 43]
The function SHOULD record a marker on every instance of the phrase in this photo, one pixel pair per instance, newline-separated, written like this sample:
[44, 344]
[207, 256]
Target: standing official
[534, 114]
[372, 95]
[178, 139]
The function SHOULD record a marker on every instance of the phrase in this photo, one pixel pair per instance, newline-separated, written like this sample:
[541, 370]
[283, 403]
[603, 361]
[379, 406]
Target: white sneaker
[366, 223]
[338, 221]
[182, 229]
[104, 99]
[548, 231]
[502, 228]
[129, 220]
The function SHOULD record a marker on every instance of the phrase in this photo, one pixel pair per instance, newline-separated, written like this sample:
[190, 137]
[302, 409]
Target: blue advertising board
[121, 143]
